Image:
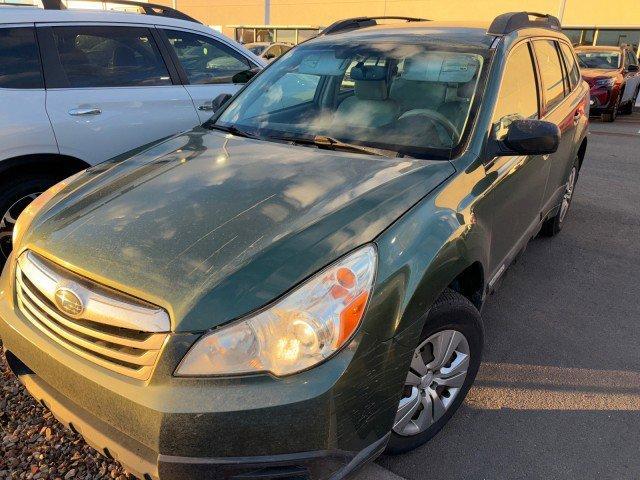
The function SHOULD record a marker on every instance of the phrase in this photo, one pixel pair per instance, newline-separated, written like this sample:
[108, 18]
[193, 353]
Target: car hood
[211, 226]
[592, 73]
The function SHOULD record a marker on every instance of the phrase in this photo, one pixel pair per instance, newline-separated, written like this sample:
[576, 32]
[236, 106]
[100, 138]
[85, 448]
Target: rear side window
[205, 60]
[550, 72]
[572, 66]
[19, 59]
[518, 95]
[109, 57]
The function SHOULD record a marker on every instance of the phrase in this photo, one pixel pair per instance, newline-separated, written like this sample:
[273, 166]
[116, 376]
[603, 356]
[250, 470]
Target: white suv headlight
[295, 333]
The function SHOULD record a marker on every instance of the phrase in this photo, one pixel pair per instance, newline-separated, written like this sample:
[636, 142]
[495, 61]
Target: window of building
[205, 60]
[286, 35]
[518, 91]
[550, 72]
[109, 57]
[19, 59]
[619, 37]
[306, 34]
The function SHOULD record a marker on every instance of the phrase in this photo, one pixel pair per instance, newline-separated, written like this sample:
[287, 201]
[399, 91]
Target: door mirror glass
[531, 137]
[633, 68]
[245, 75]
[219, 101]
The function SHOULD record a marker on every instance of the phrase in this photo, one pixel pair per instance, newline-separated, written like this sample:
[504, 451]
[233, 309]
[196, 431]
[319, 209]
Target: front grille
[94, 335]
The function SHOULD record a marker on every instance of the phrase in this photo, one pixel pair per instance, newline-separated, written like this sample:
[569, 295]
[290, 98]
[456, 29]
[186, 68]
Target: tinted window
[109, 57]
[19, 59]
[518, 91]
[206, 60]
[631, 58]
[550, 72]
[572, 66]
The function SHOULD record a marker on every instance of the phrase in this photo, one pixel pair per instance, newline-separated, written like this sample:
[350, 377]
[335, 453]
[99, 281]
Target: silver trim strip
[99, 308]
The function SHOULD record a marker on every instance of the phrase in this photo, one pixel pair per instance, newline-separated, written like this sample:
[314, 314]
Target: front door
[518, 182]
[109, 90]
[211, 67]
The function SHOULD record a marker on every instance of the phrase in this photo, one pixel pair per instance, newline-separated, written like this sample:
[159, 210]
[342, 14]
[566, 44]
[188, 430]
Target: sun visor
[445, 67]
[323, 63]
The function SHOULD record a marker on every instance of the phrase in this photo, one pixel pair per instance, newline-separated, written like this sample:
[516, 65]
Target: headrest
[363, 72]
[323, 63]
[446, 67]
[371, 89]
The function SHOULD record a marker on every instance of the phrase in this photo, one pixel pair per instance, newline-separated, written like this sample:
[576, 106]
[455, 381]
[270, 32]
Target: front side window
[93, 56]
[413, 99]
[518, 97]
[550, 72]
[608, 60]
[205, 60]
[631, 58]
[19, 59]
[572, 66]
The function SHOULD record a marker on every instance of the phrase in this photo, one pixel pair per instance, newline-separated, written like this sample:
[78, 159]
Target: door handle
[206, 107]
[82, 112]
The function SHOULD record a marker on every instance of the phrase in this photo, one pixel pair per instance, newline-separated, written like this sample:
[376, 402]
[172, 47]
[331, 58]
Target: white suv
[80, 86]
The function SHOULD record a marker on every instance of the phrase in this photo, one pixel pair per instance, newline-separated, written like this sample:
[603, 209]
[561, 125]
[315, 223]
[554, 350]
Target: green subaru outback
[296, 286]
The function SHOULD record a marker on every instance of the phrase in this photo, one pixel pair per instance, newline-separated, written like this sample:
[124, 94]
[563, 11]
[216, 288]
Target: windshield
[607, 60]
[411, 99]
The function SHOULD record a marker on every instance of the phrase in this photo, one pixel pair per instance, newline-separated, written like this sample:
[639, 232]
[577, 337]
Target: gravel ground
[34, 445]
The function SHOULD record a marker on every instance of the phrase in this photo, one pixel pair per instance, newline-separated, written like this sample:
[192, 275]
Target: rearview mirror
[219, 101]
[245, 75]
[531, 137]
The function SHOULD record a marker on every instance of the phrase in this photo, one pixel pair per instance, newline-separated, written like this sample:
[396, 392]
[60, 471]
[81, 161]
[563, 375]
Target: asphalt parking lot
[558, 395]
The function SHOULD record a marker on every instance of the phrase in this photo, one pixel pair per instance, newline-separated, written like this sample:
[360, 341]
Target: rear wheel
[553, 225]
[443, 367]
[15, 195]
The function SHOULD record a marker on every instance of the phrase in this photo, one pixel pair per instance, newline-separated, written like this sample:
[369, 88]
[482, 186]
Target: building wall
[226, 13]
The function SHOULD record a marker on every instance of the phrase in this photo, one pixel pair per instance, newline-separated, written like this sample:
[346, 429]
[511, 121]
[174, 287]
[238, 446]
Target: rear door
[207, 66]
[563, 105]
[110, 90]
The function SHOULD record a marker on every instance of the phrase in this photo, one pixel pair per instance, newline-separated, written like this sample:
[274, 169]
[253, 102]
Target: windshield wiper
[232, 129]
[330, 143]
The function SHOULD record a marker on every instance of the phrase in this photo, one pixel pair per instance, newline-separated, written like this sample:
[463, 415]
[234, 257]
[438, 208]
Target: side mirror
[531, 137]
[632, 68]
[269, 56]
[245, 75]
[220, 100]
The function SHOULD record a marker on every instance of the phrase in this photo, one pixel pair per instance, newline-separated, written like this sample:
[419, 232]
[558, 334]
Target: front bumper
[603, 99]
[319, 424]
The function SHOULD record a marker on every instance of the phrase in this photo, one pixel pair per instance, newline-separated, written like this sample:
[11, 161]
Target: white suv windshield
[412, 99]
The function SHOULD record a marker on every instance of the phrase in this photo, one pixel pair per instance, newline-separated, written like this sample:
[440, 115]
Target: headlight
[28, 214]
[295, 333]
[605, 82]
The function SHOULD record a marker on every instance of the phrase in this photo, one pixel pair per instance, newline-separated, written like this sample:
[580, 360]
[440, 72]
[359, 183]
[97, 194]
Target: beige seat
[370, 106]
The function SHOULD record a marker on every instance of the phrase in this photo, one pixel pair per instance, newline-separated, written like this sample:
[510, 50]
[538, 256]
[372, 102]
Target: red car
[614, 77]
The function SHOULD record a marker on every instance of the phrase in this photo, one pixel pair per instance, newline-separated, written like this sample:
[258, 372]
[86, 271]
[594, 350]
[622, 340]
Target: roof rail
[512, 21]
[362, 22]
[147, 8]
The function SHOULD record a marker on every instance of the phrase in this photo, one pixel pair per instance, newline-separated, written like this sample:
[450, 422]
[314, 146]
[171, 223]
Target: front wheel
[443, 368]
[15, 195]
[611, 115]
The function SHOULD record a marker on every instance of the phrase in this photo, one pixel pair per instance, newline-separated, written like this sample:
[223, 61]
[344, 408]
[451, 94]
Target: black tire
[15, 195]
[553, 225]
[612, 114]
[451, 311]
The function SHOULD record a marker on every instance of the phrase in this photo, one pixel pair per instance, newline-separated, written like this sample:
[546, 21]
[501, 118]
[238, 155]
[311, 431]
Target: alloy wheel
[568, 193]
[438, 372]
[8, 221]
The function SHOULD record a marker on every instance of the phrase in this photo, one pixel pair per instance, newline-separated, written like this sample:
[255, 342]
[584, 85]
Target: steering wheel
[437, 119]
